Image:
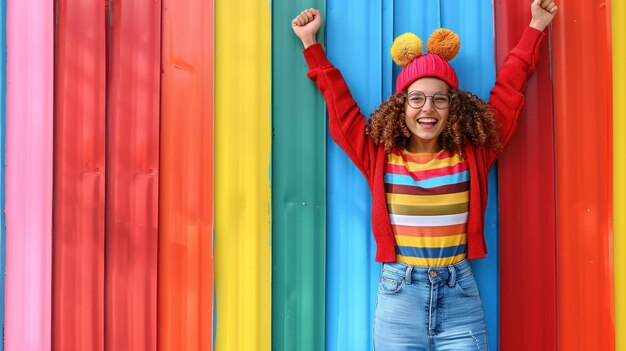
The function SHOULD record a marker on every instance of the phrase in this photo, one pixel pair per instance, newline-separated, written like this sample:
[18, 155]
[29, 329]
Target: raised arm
[345, 120]
[507, 97]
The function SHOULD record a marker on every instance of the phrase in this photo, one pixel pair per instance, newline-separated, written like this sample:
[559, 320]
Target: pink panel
[30, 35]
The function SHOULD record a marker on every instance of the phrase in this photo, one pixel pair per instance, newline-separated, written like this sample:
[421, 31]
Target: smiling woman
[426, 154]
[426, 120]
[468, 119]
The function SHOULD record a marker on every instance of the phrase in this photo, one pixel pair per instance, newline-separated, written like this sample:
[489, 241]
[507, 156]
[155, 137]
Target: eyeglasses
[417, 99]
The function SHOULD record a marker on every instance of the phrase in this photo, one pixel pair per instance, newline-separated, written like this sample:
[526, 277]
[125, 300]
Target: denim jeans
[428, 308]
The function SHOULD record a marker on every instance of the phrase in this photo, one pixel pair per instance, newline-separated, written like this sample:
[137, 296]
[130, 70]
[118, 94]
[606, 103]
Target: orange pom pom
[444, 43]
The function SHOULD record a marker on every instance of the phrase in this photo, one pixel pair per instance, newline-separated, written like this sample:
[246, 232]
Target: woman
[426, 153]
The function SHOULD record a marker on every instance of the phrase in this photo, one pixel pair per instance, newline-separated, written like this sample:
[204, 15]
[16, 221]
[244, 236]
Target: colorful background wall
[168, 182]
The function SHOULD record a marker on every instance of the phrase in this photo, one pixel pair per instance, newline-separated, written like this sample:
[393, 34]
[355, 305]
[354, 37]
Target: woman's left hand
[543, 12]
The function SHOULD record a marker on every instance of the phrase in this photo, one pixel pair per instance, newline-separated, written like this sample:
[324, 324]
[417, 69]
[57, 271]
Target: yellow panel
[242, 180]
[618, 14]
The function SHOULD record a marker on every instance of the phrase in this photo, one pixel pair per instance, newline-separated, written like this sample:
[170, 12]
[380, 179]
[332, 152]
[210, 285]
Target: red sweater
[347, 128]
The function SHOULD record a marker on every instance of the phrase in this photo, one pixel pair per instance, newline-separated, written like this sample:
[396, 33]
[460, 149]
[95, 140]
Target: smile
[427, 121]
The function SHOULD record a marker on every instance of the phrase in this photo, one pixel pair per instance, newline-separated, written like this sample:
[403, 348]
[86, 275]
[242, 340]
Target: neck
[421, 145]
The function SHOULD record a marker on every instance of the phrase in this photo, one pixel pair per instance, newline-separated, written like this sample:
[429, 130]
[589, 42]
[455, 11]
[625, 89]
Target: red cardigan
[347, 128]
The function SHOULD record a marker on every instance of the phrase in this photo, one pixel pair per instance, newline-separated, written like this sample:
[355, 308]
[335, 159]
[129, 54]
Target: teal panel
[298, 195]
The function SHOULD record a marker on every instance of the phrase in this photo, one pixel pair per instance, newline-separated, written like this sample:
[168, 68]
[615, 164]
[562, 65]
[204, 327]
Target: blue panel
[487, 270]
[387, 40]
[3, 99]
[353, 45]
[475, 66]
[359, 35]
[420, 17]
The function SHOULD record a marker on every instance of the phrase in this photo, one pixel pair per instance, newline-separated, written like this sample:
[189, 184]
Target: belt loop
[407, 275]
[452, 280]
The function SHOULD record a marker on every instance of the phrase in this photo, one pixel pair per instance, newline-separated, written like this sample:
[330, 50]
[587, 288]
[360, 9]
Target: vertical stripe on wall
[3, 97]
[352, 273]
[298, 190]
[30, 34]
[134, 30]
[475, 67]
[473, 21]
[242, 178]
[527, 202]
[80, 82]
[618, 33]
[583, 104]
[370, 81]
[185, 263]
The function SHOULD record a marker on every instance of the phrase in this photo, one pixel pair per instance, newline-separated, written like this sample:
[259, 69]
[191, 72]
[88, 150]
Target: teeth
[427, 120]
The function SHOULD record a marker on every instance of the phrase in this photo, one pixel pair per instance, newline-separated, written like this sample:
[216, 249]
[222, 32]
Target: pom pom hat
[442, 47]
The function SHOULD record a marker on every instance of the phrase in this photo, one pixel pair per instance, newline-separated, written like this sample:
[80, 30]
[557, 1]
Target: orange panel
[185, 269]
[583, 113]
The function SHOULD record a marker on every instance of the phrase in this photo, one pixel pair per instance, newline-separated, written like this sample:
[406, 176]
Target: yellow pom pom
[444, 43]
[406, 48]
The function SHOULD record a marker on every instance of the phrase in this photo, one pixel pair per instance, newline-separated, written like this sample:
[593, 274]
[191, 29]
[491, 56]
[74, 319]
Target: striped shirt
[428, 203]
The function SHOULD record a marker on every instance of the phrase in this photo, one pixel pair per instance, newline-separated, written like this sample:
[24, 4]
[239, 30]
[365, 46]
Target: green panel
[298, 189]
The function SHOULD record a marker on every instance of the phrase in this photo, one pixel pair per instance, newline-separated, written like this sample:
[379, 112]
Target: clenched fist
[306, 25]
[543, 12]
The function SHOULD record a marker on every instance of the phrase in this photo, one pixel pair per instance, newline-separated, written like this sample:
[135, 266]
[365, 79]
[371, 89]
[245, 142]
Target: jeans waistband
[448, 274]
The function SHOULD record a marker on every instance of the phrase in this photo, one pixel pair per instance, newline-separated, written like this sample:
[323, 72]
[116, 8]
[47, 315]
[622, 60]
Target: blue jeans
[428, 308]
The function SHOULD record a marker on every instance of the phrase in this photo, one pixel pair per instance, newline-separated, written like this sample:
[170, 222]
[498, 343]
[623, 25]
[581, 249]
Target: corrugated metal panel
[349, 314]
[527, 202]
[242, 178]
[3, 97]
[80, 84]
[475, 66]
[298, 190]
[185, 267]
[352, 274]
[30, 37]
[134, 29]
[618, 13]
[583, 104]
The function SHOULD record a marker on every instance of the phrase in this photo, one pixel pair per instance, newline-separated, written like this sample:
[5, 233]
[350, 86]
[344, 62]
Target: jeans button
[433, 273]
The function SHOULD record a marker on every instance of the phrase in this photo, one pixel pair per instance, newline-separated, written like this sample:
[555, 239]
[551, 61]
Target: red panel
[132, 184]
[79, 176]
[583, 111]
[185, 277]
[527, 203]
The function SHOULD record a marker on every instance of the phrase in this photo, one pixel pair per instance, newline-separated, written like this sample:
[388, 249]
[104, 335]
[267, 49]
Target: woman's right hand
[306, 25]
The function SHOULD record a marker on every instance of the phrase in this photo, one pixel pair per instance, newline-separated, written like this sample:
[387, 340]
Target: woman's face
[428, 121]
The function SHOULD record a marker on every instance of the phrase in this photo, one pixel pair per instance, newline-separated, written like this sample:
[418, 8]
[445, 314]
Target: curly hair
[469, 120]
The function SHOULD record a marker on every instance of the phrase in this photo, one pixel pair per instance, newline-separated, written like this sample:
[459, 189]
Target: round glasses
[417, 99]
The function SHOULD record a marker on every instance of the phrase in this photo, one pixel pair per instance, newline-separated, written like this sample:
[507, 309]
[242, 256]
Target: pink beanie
[442, 46]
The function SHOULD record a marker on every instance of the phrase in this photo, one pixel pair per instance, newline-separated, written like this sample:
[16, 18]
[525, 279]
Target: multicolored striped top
[428, 203]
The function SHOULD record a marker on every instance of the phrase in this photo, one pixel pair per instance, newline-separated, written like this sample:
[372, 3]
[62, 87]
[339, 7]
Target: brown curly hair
[470, 120]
